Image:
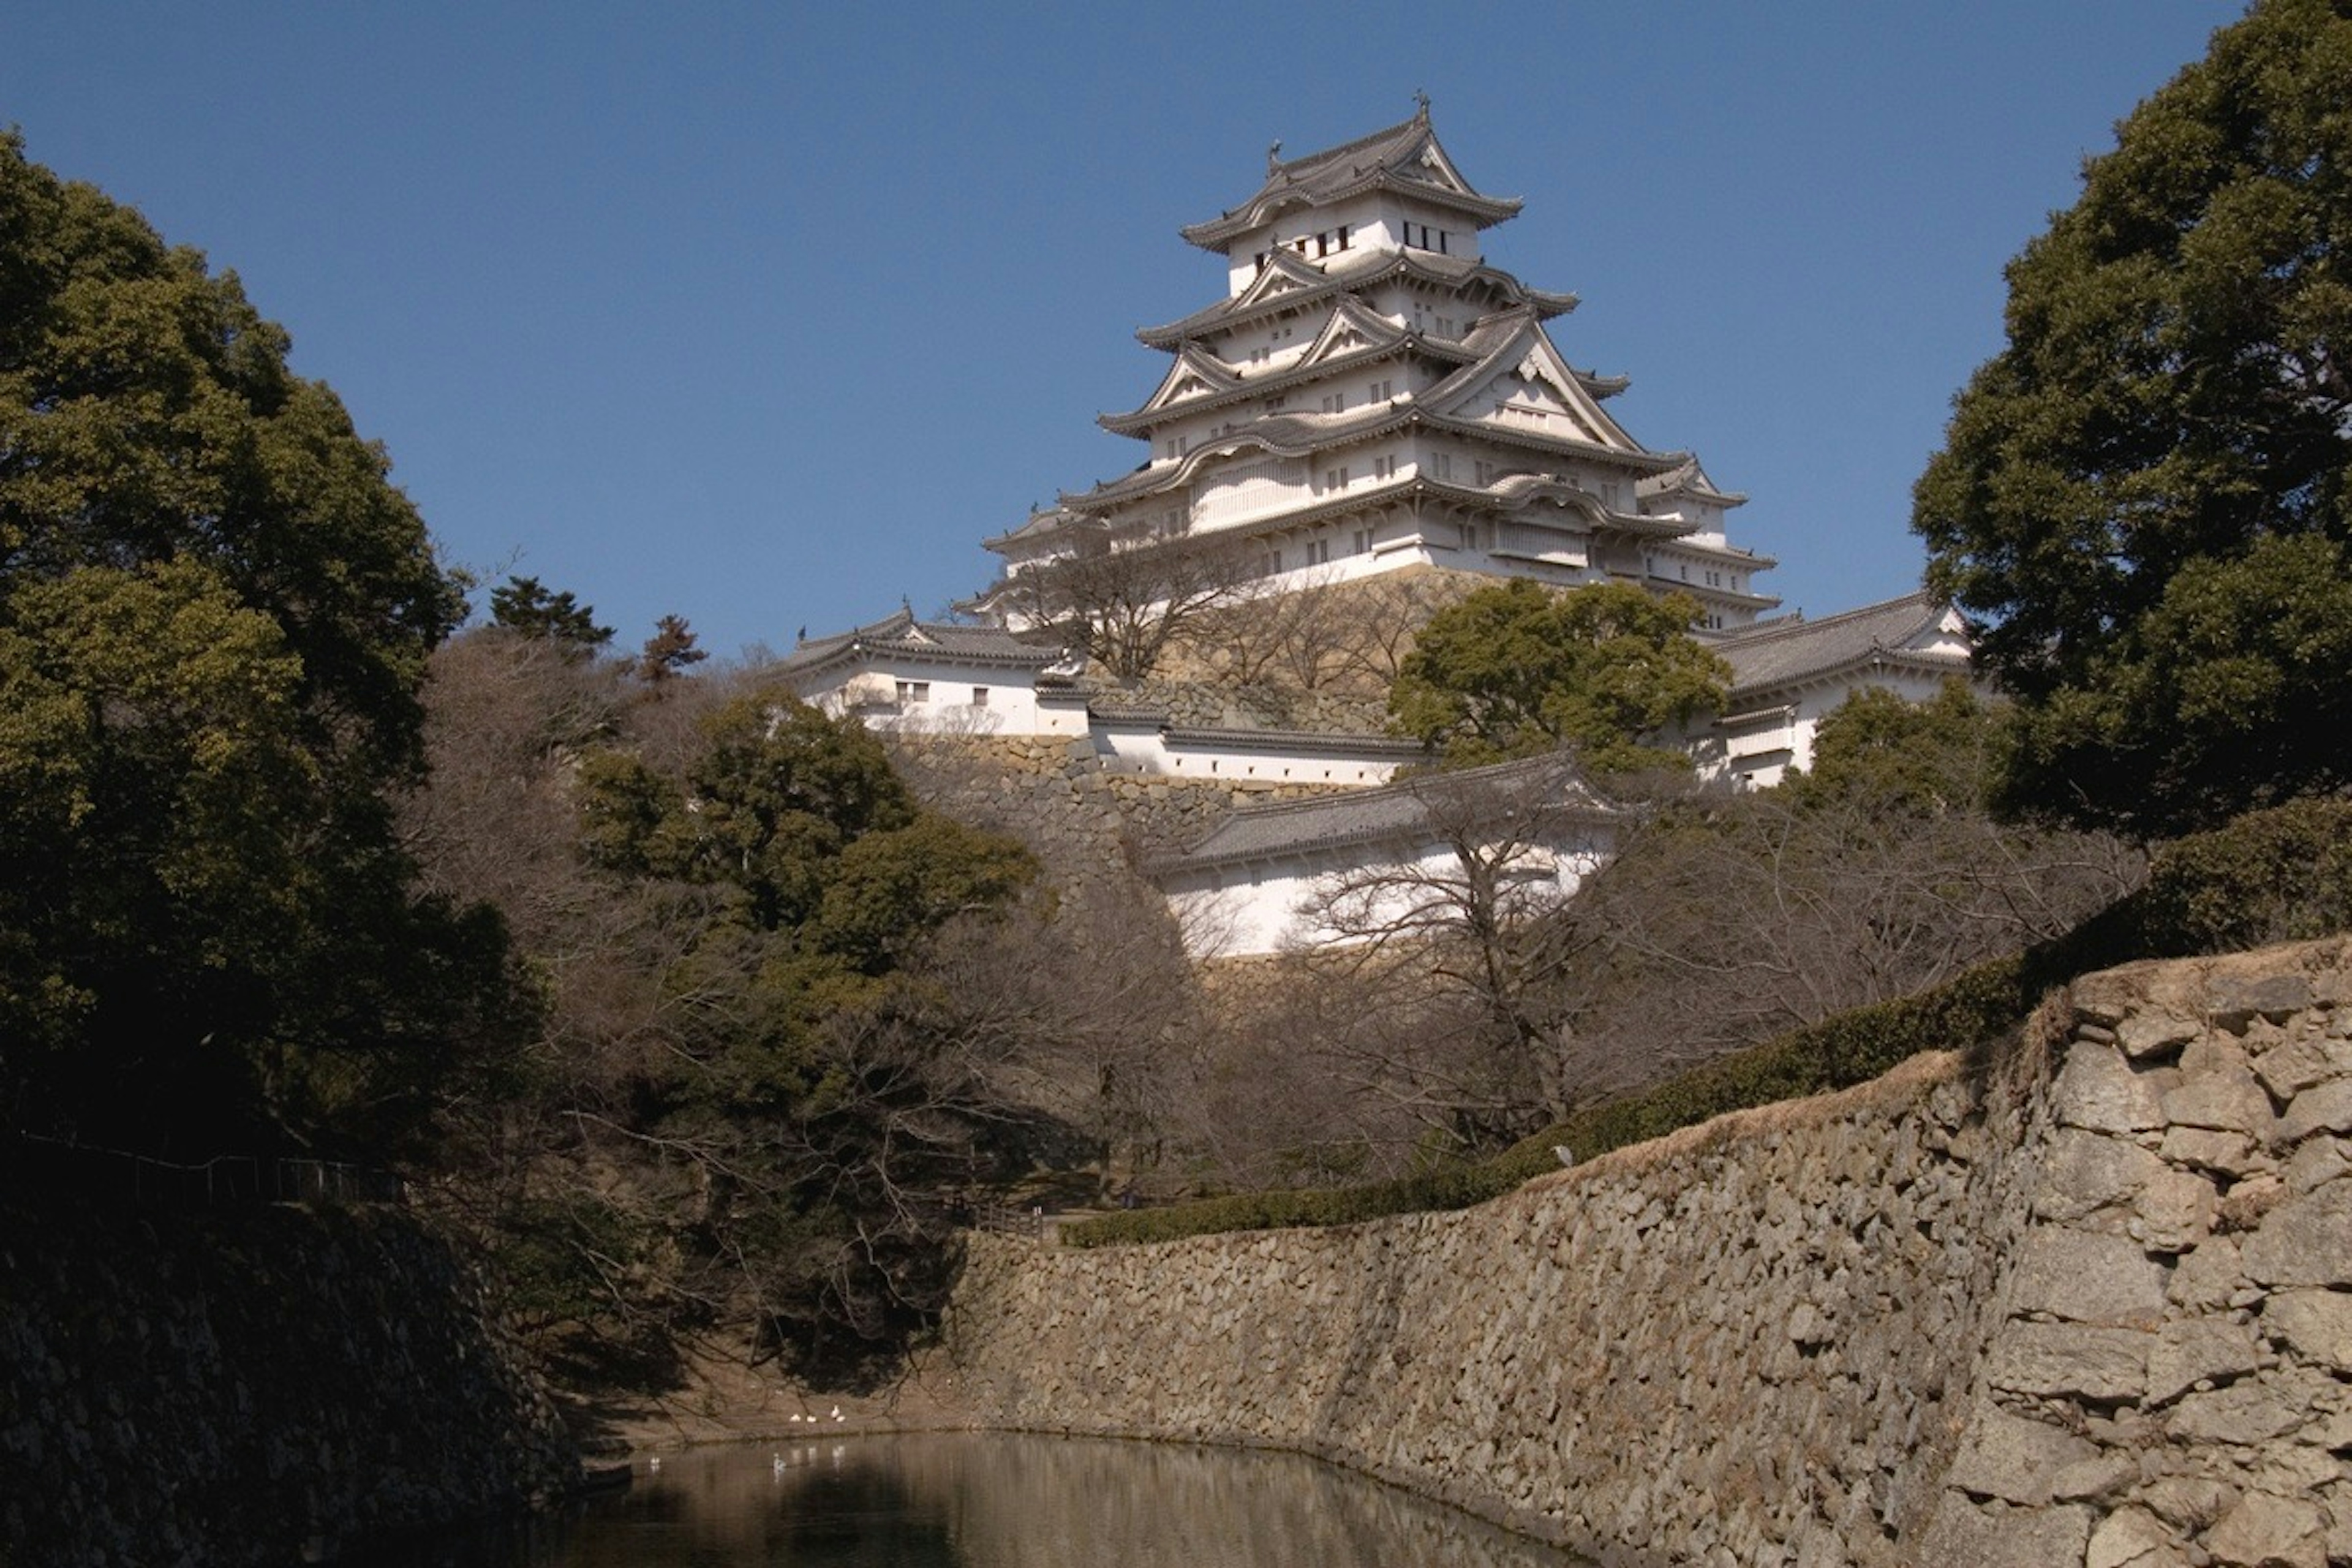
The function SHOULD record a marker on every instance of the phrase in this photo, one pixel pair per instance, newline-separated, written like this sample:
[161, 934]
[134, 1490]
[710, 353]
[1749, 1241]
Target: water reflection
[1003, 1501]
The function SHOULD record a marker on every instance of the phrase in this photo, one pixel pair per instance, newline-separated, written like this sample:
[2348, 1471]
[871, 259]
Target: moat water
[987, 1500]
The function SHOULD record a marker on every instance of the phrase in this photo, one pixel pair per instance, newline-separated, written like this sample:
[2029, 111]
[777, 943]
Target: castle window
[1334, 479]
[1469, 534]
[1318, 551]
[980, 696]
[1335, 403]
[1384, 390]
[1440, 239]
[911, 691]
[1383, 466]
[1343, 237]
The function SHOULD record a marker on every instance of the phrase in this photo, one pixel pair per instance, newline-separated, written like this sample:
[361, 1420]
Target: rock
[2245, 1414]
[2227, 1096]
[2012, 1459]
[2316, 1163]
[2189, 1502]
[2289, 1069]
[1963, 1533]
[2208, 1280]
[2053, 1359]
[2325, 1108]
[2234, 1002]
[2090, 1171]
[2173, 1212]
[2133, 1537]
[2267, 1532]
[2315, 1325]
[2230, 1154]
[2149, 1033]
[2095, 1479]
[2097, 1091]
[2201, 1350]
[2087, 1276]
[2304, 1240]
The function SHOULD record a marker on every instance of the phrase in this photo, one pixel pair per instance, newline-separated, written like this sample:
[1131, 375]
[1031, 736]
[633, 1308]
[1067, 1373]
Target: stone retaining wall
[258, 1387]
[1084, 822]
[2104, 1318]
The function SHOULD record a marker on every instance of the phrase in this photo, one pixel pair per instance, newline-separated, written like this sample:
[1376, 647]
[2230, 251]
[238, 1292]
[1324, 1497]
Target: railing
[1009, 1219]
[223, 1180]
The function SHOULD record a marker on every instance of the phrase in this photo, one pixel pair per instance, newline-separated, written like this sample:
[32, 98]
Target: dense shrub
[2280, 874]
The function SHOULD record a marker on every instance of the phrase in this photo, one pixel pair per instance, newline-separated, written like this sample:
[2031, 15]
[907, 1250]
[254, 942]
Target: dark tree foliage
[827, 1096]
[525, 606]
[1515, 670]
[2145, 501]
[670, 653]
[214, 615]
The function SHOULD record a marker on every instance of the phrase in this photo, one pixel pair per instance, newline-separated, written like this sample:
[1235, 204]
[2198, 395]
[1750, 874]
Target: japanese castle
[1372, 394]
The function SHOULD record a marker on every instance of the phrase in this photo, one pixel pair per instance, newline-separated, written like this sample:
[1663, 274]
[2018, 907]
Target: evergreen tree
[525, 606]
[215, 616]
[670, 653]
[2146, 499]
[1515, 670]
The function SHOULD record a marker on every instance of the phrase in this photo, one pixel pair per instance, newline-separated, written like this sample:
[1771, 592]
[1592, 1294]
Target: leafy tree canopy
[1514, 670]
[1929, 759]
[2146, 499]
[215, 616]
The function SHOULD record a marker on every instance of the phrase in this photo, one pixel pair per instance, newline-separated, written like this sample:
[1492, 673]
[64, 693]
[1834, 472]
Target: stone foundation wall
[251, 1387]
[1082, 821]
[2104, 1318]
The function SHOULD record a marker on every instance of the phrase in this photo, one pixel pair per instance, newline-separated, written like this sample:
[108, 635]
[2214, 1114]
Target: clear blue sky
[766, 314]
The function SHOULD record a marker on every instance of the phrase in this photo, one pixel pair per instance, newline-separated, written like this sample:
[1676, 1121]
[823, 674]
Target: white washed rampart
[2102, 1319]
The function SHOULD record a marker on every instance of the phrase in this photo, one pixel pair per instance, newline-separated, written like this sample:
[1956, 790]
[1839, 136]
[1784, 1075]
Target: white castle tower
[1372, 394]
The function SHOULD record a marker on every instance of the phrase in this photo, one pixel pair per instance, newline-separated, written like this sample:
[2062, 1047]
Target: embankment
[2097, 1308]
[248, 1386]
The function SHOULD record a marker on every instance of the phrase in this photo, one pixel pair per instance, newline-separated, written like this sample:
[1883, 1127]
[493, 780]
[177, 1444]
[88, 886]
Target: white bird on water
[836, 1412]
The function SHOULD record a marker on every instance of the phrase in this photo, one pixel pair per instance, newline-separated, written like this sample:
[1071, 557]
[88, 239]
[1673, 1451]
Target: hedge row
[2270, 876]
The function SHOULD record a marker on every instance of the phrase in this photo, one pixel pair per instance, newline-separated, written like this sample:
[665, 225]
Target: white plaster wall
[1242, 912]
[1011, 708]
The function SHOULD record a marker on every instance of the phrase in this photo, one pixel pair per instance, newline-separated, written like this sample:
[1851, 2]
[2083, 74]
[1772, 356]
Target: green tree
[1515, 669]
[524, 605]
[2144, 499]
[1929, 759]
[822, 1085]
[215, 616]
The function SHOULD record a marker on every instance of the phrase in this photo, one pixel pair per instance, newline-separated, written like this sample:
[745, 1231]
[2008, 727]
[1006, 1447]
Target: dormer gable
[1520, 382]
[1196, 374]
[1353, 326]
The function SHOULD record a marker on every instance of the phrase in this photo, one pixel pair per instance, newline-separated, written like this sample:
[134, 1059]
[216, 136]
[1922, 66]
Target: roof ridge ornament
[1273, 157]
[1420, 101]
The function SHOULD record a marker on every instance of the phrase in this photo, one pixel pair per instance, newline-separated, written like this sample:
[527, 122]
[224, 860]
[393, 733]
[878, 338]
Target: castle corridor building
[1370, 394]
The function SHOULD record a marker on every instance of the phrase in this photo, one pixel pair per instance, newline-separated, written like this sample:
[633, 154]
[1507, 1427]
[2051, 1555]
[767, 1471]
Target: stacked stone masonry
[2093, 1311]
[250, 1388]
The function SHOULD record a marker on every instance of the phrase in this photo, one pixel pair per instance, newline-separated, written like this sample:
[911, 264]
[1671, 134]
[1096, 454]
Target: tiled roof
[1397, 812]
[1789, 649]
[902, 635]
[1455, 271]
[1368, 162]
